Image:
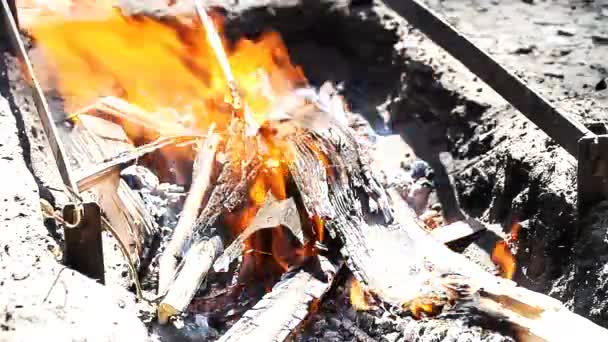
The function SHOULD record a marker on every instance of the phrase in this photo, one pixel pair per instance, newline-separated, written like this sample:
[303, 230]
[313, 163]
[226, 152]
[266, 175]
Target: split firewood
[190, 275]
[280, 312]
[240, 166]
[182, 234]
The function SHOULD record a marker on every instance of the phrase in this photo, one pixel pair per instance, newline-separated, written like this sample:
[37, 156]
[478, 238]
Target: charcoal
[139, 177]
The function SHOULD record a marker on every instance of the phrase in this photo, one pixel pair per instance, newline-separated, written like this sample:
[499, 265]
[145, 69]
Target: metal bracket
[83, 244]
[592, 176]
[83, 248]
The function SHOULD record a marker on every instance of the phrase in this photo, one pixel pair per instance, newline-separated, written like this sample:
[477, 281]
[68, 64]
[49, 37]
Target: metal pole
[559, 126]
[82, 226]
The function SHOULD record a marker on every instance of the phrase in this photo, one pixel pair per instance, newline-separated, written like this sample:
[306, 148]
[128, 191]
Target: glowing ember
[425, 307]
[502, 255]
[358, 296]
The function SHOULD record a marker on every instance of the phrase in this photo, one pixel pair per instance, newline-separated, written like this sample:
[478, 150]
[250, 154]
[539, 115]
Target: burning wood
[302, 172]
[359, 298]
[502, 255]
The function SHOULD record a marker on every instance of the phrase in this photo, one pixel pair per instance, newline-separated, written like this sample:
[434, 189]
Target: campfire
[239, 191]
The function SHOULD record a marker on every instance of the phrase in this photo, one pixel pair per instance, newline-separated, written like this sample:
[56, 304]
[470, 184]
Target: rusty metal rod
[558, 125]
[12, 32]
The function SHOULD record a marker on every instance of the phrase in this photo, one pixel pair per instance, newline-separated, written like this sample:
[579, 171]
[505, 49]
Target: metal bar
[13, 8]
[83, 244]
[592, 174]
[559, 126]
[11, 30]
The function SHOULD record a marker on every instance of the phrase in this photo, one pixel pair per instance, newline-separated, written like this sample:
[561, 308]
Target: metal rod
[83, 243]
[559, 126]
[11, 30]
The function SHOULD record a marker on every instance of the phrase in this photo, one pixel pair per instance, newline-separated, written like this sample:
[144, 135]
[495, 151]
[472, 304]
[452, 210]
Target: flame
[358, 296]
[165, 67]
[169, 69]
[502, 255]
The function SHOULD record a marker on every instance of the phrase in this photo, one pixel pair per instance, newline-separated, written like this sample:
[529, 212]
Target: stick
[186, 224]
[194, 269]
[279, 313]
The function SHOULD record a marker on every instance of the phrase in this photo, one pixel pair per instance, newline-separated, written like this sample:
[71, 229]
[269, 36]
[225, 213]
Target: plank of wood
[92, 141]
[280, 312]
[136, 121]
[88, 177]
[457, 230]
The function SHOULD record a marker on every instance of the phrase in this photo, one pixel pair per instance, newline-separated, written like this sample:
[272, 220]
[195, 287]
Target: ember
[502, 255]
[358, 296]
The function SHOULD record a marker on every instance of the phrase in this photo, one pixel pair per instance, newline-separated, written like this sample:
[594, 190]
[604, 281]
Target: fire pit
[246, 193]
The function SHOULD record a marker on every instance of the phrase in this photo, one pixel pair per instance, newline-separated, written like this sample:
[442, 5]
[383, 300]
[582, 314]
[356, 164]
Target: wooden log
[399, 261]
[183, 232]
[282, 311]
[191, 273]
[239, 169]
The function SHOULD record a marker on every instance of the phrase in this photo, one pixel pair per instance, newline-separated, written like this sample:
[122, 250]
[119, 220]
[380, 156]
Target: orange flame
[166, 67]
[502, 255]
[358, 296]
[425, 307]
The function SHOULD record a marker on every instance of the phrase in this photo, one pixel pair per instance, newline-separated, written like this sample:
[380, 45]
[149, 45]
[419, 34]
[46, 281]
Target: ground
[503, 168]
[559, 48]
